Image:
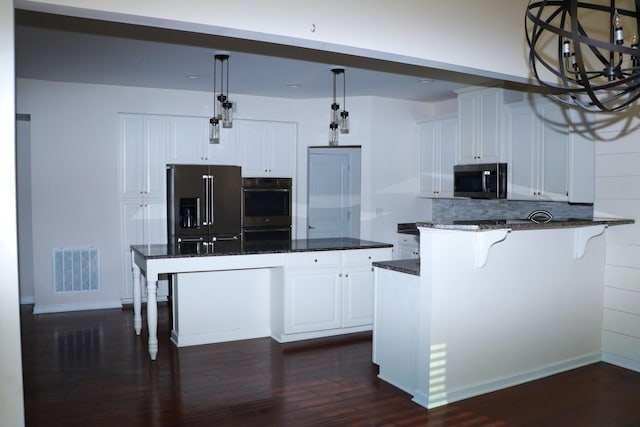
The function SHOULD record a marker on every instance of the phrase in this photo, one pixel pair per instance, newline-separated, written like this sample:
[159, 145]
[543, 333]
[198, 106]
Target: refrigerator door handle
[205, 188]
[211, 207]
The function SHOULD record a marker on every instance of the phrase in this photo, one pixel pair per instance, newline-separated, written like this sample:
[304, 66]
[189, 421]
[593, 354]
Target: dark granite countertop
[238, 247]
[521, 224]
[408, 266]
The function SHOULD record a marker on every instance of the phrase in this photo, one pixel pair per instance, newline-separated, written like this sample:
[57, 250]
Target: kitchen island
[491, 304]
[289, 290]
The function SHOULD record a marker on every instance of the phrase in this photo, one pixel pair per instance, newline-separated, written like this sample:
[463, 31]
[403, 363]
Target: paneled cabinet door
[189, 142]
[268, 148]
[480, 123]
[142, 223]
[436, 157]
[357, 289]
[539, 163]
[313, 299]
[142, 156]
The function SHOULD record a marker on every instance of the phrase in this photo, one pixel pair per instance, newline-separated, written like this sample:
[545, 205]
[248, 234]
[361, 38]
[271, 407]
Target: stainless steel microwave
[480, 181]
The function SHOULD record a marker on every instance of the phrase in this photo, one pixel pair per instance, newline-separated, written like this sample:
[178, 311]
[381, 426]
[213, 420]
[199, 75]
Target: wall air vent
[76, 269]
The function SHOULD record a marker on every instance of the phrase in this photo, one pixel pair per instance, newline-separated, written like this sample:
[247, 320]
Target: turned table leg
[152, 317]
[137, 299]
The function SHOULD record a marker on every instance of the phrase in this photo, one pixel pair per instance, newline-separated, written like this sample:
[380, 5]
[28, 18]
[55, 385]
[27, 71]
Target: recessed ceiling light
[193, 76]
[425, 81]
[294, 85]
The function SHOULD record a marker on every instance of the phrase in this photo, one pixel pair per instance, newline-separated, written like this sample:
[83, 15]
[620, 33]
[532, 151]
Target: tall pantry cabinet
[142, 187]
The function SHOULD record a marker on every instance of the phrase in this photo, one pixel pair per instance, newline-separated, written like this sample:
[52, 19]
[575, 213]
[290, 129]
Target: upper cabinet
[142, 156]
[268, 148]
[189, 142]
[548, 160]
[436, 156]
[480, 114]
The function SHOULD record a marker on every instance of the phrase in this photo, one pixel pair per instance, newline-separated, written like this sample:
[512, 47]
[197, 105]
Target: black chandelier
[594, 71]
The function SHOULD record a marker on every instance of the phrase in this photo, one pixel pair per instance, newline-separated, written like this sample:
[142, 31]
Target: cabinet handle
[315, 260]
[346, 275]
[339, 274]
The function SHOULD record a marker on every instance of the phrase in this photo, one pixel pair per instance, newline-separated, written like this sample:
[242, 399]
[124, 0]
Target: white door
[334, 193]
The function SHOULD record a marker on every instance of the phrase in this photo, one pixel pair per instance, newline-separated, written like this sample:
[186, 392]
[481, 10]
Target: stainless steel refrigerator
[203, 204]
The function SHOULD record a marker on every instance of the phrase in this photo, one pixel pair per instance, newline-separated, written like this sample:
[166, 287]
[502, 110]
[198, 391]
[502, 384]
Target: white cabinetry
[268, 148]
[408, 246]
[142, 189]
[326, 293]
[436, 156]
[547, 161]
[480, 121]
[189, 142]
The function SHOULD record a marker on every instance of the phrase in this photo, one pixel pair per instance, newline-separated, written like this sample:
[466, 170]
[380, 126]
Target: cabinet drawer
[311, 259]
[365, 256]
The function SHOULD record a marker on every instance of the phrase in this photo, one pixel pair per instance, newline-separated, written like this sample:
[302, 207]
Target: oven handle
[287, 190]
[263, 229]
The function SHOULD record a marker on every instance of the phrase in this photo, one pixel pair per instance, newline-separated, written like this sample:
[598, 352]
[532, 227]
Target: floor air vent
[76, 269]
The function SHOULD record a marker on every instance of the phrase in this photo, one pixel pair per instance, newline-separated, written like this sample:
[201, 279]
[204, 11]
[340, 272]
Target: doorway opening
[333, 208]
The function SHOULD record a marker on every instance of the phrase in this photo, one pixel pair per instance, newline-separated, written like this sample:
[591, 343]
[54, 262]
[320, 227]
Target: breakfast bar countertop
[521, 224]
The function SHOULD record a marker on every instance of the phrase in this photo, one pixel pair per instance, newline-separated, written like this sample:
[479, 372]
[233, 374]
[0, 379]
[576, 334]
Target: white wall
[11, 402]
[618, 194]
[74, 134]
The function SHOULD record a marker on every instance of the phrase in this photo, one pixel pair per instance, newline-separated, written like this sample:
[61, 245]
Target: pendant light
[339, 119]
[222, 106]
[596, 74]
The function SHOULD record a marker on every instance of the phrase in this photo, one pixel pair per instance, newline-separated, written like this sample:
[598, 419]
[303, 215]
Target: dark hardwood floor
[89, 369]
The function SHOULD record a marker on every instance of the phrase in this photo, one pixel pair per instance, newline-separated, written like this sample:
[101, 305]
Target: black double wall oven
[266, 209]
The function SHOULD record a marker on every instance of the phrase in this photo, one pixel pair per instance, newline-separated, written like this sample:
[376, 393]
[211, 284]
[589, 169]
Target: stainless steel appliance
[266, 208]
[480, 181]
[203, 204]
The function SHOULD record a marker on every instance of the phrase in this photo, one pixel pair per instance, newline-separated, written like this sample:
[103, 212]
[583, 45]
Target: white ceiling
[58, 48]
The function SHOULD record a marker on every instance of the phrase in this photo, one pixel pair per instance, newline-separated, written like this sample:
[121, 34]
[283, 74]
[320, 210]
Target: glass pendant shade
[344, 121]
[227, 114]
[214, 131]
[333, 134]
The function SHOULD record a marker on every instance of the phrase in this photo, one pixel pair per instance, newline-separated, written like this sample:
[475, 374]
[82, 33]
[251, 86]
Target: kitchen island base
[292, 290]
[489, 311]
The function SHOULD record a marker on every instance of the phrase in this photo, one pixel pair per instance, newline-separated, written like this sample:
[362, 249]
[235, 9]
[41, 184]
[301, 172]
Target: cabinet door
[523, 161]
[448, 141]
[188, 140]
[312, 299]
[428, 155]
[490, 126]
[251, 137]
[357, 285]
[154, 157]
[554, 153]
[132, 163]
[280, 149]
[408, 246]
[142, 155]
[468, 119]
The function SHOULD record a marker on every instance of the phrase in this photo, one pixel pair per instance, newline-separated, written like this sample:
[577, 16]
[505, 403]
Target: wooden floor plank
[89, 369]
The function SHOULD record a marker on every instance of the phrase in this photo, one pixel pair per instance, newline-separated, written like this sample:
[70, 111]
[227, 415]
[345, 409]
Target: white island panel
[532, 310]
[220, 306]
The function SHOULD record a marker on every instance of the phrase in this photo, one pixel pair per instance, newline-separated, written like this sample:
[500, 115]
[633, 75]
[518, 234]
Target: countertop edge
[525, 225]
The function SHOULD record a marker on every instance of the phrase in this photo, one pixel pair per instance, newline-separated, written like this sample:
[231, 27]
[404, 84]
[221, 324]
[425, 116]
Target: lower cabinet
[326, 293]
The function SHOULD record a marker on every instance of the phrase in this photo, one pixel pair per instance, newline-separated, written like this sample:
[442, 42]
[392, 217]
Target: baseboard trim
[79, 306]
[621, 361]
[445, 397]
[27, 300]
[182, 340]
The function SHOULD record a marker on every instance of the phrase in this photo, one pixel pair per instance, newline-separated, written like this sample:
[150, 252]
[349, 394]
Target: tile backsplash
[463, 209]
